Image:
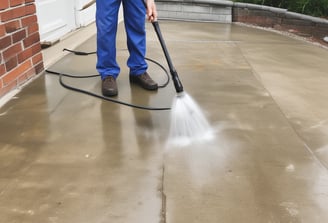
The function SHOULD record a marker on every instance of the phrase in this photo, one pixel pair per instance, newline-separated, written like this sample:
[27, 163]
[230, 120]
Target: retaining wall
[281, 19]
[198, 10]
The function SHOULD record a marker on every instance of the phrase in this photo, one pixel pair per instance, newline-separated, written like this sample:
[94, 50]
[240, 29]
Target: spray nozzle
[177, 83]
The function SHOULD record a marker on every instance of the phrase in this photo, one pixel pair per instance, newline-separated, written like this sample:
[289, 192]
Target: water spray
[188, 123]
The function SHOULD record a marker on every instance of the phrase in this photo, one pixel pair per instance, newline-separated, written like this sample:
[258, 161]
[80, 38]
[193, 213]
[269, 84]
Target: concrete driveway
[67, 157]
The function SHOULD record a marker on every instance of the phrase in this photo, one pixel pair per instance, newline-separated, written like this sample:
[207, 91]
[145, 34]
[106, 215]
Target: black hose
[80, 53]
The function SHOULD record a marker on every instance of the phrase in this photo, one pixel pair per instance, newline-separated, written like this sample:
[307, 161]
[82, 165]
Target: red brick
[18, 36]
[11, 64]
[25, 76]
[13, 14]
[27, 1]
[24, 55]
[4, 4]
[32, 39]
[30, 73]
[16, 2]
[5, 89]
[2, 30]
[36, 48]
[21, 79]
[26, 21]
[5, 42]
[12, 51]
[32, 28]
[16, 72]
[37, 58]
[39, 68]
[12, 26]
[2, 70]
[30, 9]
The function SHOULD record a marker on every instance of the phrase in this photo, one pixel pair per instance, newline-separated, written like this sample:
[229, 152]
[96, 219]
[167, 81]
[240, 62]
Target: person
[135, 13]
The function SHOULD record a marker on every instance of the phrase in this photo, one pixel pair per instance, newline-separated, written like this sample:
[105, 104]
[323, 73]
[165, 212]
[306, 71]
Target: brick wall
[20, 49]
[281, 19]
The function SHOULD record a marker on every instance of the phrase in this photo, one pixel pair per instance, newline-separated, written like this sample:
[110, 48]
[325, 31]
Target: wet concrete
[67, 157]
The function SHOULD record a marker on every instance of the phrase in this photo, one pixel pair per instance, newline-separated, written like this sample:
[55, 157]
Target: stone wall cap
[260, 7]
[306, 17]
[211, 2]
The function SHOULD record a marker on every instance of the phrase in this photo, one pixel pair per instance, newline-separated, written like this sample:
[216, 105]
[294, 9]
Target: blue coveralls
[134, 20]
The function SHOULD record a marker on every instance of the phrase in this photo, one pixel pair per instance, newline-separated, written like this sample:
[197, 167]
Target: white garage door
[58, 17]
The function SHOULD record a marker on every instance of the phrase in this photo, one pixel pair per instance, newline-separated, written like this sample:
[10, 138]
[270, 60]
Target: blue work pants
[134, 20]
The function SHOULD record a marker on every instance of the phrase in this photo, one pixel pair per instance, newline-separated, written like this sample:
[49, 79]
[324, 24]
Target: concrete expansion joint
[163, 217]
[163, 196]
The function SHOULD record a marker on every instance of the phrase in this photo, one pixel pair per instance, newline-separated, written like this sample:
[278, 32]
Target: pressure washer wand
[177, 83]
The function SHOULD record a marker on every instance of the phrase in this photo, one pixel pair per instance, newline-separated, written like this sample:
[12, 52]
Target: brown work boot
[144, 80]
[109, 87]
